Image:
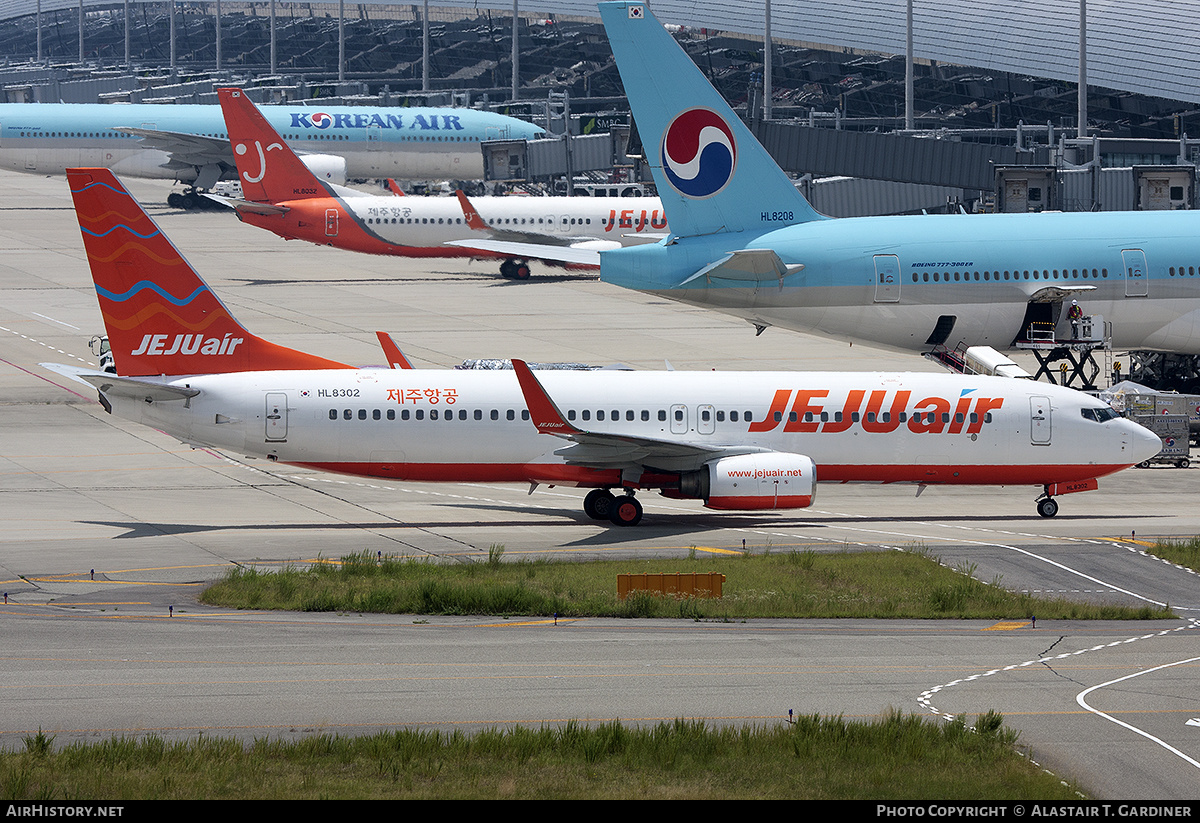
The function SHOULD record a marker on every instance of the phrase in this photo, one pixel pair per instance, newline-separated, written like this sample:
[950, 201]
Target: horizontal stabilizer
[247, 206]
[115, 386]
[748, 265]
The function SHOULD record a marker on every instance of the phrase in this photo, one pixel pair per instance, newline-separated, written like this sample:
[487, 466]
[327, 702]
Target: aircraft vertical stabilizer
[268, 170]
[160, 315]
[712, 174]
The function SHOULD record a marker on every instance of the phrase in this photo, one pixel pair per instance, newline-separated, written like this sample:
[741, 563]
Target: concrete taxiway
[107, 528]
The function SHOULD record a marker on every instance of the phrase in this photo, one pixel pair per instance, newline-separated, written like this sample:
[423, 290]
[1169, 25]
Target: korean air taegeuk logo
[699, 154]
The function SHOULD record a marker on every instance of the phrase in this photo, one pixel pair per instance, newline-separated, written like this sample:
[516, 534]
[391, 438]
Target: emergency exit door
[277, 416]
[1135, 272]
[887, 278]
[1039, 420]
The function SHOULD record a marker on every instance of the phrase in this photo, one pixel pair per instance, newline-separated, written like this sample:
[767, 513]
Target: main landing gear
[190, 199]
[514, 269]
[602, 504]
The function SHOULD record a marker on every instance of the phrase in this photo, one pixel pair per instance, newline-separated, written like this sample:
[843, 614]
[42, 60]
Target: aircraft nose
[1143, 443]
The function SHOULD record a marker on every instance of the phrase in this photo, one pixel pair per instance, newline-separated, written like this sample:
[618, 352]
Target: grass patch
[896, 757]
[1185, 552]
[804, 584]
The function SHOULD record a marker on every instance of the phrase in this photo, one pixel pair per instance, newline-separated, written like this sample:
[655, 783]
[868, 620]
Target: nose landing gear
[1047, 506]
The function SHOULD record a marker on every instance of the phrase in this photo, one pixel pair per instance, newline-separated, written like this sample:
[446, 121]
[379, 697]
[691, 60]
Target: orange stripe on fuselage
[958, 475]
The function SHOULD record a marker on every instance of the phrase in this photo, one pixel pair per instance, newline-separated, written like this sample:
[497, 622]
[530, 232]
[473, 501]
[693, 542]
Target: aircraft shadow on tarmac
[671, 525]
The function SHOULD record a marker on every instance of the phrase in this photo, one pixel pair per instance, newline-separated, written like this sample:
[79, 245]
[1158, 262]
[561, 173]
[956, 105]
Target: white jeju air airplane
[744, 441]
[188, 143]
[281, 194]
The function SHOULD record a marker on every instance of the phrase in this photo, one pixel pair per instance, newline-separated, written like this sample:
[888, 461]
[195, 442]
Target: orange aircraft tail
[160, 315]
[268, 170]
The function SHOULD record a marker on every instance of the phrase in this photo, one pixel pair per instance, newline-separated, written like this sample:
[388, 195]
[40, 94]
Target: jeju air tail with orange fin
[161, 317]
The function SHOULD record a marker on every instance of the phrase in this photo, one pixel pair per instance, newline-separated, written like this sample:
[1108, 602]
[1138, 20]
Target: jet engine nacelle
[771, 480]
[330, 168]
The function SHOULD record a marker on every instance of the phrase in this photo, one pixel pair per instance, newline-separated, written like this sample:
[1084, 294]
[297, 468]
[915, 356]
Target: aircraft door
[679, 419]
[887, 278]
[374, 138]
[1039, 420]
[706, 419]
[277, 416]
[331, 222]
[1135, 272]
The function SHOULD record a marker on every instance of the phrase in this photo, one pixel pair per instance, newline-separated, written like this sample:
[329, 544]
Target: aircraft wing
[133, 387]
[186, 150]
[581, 255]
[613, 450]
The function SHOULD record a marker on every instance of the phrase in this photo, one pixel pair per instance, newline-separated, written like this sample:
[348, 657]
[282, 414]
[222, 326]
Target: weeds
[795, 584]
[900, 756]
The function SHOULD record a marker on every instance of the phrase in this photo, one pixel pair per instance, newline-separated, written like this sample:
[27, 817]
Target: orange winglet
[546, 416]
[396, 358]
[472, 217]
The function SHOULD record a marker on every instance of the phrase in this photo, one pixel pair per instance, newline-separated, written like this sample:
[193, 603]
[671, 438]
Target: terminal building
[980, 113]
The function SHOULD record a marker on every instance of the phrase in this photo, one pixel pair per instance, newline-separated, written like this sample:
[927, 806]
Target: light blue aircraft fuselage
[184, 141]
[746, 242]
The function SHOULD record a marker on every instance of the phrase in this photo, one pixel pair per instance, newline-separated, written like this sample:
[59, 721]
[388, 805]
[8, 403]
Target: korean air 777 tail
[160, 315]
[712, 174]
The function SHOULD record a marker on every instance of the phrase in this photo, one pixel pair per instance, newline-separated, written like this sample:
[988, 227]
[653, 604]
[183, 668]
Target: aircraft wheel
[522, 271]
[175, 200]
[598, 504]
[508, 269]
[1047, 507]
[626, 511]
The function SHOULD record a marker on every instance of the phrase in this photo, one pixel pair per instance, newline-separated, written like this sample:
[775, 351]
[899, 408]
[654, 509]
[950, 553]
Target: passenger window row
[585, 415]
[1044, 274]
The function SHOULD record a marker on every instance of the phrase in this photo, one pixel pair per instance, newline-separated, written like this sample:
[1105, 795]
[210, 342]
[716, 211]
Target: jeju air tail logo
[241, 150]
[698, 153]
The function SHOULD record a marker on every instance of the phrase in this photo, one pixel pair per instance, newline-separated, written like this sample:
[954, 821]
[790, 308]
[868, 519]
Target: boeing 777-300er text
[744, 241]
[280, 194]
[188, 143]
[743, 441]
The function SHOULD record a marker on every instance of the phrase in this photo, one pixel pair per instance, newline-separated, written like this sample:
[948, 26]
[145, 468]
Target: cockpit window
[1101, 415]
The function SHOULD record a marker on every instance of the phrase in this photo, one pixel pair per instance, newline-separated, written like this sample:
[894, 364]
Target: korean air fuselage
[48, 138]
[891, 280]
[747, 242]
